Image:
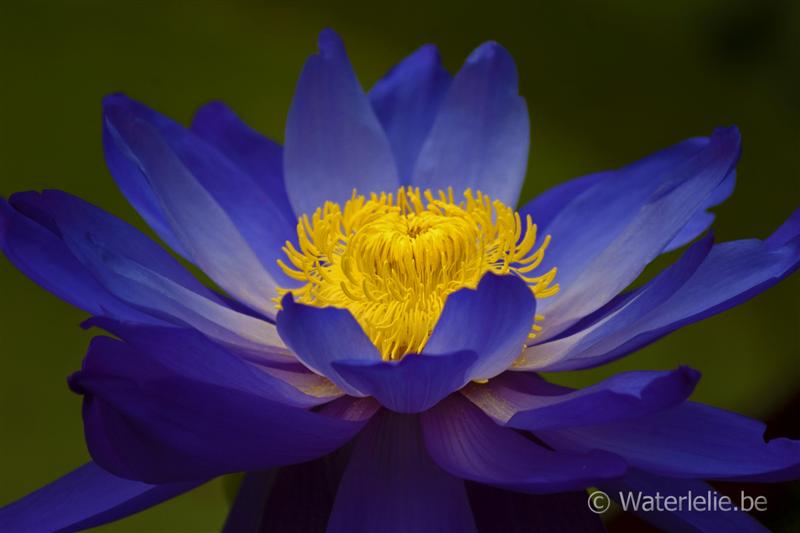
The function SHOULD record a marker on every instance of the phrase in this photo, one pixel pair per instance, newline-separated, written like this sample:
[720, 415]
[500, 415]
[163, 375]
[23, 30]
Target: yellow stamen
[393, 259]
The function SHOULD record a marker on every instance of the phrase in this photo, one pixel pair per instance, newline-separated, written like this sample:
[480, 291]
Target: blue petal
[38, 251]
[392, 485]
[691, 440]
[133, 182]
[221, 217]
[788, 232]
[547, 205]
[728, 275]
[144, 419]
[710, 520]
[246, 148]
[466, 443]
[334, 142]
[493, 321]
[67, 215]
[702, 220]
[605, 237]
[481, 134]
[262, 160]
[142, 274]
[83, 499]
[415, 383]
[320, 336]
[191, 355]
[406, 101]
[617, 316]
[528, 402]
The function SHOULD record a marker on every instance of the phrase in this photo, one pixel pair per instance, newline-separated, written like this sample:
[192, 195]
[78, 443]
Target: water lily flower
[377, 297]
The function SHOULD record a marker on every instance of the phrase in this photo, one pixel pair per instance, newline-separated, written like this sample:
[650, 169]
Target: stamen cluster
[393, 259]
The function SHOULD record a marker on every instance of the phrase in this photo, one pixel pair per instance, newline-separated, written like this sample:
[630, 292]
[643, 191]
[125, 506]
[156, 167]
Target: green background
[606, 83]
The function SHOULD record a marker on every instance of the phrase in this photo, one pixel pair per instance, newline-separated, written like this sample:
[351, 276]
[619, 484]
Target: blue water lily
[380, 301]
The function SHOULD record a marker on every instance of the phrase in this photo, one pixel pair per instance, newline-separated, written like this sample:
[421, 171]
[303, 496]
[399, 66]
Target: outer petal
[547, 205]
[619, 313]
[711, 520]
[128, 265]
[466, 443]
[250, 151]
[481, 134]
[787, 233]
[702, 220]
[85, 498]
[144, 420]
[221, 217]
[528, 402]
[298, 497]
[493, 320]
[262, 160]
[192, 356]
[691, 440]
[415, 383]
[140, 273]
[40, 254]
[301, 378]
[392, 485]
[406, 101]
[334, 142]
[132, 181]
[730, 274]
[139, 285]
[67, 216]
[320, 336]
[606, 236]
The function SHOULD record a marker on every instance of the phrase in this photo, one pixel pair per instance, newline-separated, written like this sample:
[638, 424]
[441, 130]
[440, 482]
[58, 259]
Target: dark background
[606, 83]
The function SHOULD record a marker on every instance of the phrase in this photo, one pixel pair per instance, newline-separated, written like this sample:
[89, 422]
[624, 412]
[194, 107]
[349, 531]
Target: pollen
[393, 258]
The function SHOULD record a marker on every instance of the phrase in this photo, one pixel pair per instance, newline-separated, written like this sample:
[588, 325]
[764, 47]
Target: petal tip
[330, 43]
[491, 51]
[115, 101]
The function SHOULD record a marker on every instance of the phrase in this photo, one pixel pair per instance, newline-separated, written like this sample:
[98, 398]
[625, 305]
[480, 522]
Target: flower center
[393, 259]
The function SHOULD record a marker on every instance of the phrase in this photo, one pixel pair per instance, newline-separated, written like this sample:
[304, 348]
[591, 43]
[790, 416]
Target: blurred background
[606, 83]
